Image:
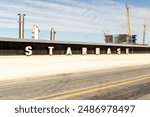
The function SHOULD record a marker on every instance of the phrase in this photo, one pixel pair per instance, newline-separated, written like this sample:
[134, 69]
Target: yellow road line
[68, 94]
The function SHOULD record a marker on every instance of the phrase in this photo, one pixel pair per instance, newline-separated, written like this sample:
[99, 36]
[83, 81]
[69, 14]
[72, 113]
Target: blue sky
[140, 3]
[74, 20]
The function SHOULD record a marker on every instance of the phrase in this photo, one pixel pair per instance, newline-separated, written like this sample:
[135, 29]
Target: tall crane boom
[128, 18]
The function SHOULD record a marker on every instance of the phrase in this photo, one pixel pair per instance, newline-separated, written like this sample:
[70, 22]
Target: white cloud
[96, 16]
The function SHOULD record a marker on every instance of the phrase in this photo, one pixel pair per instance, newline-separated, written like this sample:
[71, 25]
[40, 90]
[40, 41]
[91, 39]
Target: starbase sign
[28, 51]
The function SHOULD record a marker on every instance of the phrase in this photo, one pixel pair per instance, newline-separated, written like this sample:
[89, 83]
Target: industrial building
[120, 39]
[10, 46]
[114, 43]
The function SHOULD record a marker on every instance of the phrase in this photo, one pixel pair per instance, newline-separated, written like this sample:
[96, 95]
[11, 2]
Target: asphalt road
[120, 83]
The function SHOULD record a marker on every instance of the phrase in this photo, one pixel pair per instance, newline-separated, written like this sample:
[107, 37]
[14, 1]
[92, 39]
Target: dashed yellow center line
[82, 91]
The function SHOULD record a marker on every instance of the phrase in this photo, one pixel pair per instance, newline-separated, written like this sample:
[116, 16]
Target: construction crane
[128, 18]
[145, 28]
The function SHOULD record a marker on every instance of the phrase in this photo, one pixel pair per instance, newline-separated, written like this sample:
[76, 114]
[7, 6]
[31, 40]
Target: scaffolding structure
[121, 39]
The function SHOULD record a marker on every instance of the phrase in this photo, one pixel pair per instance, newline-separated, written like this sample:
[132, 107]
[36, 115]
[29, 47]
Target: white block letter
[97, 50]
[127, 51]
[50, 50]
[118, 51]
[28, 50]
[84, 51]
[69, 52]
[108, 51]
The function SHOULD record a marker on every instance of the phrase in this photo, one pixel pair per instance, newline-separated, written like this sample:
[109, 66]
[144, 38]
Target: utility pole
[145, 28]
